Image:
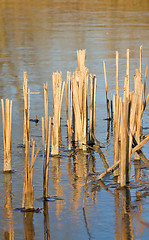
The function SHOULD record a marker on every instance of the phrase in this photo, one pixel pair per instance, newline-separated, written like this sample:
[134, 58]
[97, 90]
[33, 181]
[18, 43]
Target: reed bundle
[28, 188]
[7, 122]
[128, 118]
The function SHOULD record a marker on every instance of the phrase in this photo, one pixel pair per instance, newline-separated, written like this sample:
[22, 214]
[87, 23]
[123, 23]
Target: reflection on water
[46, 222]
[28, 225]
[41, 37]
[8, 213]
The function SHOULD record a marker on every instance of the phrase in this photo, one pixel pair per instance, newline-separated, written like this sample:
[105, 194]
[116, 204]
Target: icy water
[41, 37]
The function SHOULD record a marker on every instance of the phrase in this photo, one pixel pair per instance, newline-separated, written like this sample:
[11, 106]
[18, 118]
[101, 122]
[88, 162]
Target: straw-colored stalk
[127, 65]
[46, 112]
[93, 83]
[107, 99]
[25, 83]
[69, 120]
[28, 188]
[78, 120]
[124, 145]
[116, 102]
[81, 59]
[46, 154]
[141, 61]
[7, 122]
[58, 90]
[139, 108]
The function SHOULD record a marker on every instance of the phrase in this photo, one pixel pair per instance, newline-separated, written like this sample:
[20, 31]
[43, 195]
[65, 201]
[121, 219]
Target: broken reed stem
[7, 122]
[81, 59]
[108, 110]
[140, 145]
[115, 165]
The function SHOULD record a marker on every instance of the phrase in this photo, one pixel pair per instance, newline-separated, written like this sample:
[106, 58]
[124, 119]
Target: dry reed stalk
[91, 140]
[25, 83]
[67, 93]
[58, 90]
[28, 188]
[132, 119]
[81, 59]
[94, 101]
[127, 65]
[111, 103]
[126, 88]
[116, 118]
[138, 87]
[145, 83]
[46, 112]
[116, 132]
[141, 61]
[93, 83]
[69, 120]
[124, 145]
[107, 99]
[46, 152]
[109, 169]
[7, 122]
[139, 91]
[140, 145]
[78, 120]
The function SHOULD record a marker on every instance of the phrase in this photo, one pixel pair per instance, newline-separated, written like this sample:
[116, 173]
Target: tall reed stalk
[7, 122]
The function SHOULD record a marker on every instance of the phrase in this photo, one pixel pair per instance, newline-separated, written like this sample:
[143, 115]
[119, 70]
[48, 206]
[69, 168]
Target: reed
[58, 90]
[7, 122]
[124, 144]
[69, 108]
[28, 188]
[93, 83]
[107, 99]
[25, 89]
[46, 151]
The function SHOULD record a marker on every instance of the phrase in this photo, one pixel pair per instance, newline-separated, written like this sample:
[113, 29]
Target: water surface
[41, 37]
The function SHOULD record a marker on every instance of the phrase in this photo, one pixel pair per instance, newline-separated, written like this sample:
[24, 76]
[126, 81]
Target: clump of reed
[128, 114]
[7, 122]
[28, 188]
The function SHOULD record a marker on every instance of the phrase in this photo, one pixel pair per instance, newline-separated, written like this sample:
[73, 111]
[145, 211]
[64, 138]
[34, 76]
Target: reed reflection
[28, 225]
[8, 214]
[56, 176]
[80, 172]
[46, 221]
[124, 217]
